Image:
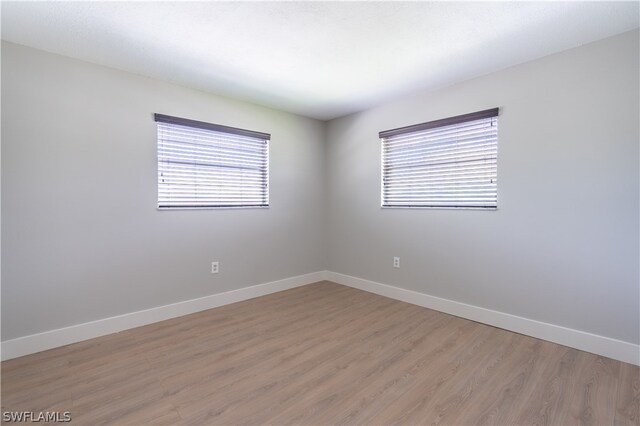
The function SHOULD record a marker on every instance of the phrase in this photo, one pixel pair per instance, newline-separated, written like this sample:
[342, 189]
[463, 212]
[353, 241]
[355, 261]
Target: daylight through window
[448, 163]
[204, 165]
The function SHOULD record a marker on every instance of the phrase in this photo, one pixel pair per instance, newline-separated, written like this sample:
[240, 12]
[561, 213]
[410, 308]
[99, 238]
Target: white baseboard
[63, 336]
[605, 346]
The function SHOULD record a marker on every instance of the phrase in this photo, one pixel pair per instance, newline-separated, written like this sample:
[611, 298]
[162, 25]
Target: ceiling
[317, 59]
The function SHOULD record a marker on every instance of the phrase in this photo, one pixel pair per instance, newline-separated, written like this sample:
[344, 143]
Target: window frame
[201, 125]
[459, 119]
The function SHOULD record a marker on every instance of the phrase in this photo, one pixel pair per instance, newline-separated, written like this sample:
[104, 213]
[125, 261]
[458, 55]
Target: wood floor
[322, 354]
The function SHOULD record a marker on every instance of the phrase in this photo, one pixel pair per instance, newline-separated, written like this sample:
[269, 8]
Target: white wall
[563, 246]
[81, 237]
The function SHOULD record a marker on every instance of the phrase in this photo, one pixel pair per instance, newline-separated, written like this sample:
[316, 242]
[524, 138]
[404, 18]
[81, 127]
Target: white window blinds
[204, 165]
[448, 163]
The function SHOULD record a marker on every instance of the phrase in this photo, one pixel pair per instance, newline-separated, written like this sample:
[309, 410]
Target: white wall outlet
[396, 262]
[215, 267]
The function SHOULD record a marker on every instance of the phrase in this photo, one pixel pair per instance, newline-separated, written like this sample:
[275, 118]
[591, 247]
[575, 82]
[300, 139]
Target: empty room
[320, 213]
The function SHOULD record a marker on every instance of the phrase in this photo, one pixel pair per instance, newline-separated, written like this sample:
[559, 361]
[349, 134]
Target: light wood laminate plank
[322, 354]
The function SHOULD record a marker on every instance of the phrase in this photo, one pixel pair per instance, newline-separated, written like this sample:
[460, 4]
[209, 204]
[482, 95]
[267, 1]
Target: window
[448, 163]
[204, 165]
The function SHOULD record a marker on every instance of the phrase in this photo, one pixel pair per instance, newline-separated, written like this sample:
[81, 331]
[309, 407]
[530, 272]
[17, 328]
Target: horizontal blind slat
[206, 168]
[448, 166]
[434, 135]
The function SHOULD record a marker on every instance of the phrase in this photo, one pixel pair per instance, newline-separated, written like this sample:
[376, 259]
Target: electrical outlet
[215, 267]
[396, 262]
